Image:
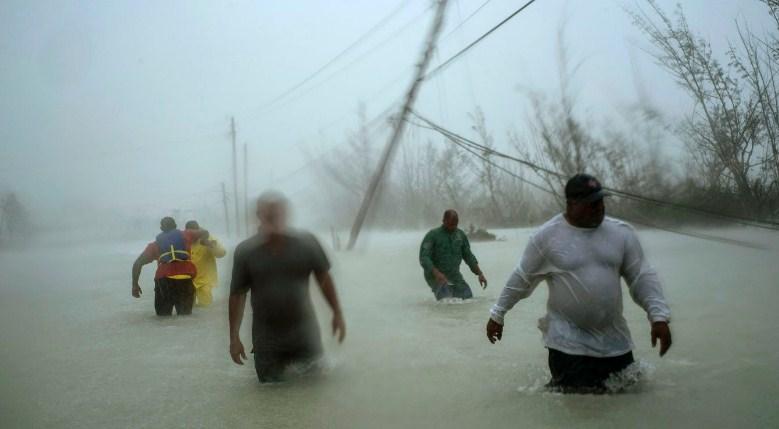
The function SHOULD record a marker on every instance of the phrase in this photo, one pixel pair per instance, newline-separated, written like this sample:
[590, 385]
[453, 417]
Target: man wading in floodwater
[275, 265]
[173, 285]
[440, 254]
[582, 254]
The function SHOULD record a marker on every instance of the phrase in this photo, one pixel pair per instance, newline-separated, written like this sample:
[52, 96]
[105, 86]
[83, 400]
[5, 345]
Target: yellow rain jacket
[204, 258]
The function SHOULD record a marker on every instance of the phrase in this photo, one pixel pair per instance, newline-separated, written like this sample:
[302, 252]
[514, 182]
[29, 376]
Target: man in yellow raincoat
[204, 254]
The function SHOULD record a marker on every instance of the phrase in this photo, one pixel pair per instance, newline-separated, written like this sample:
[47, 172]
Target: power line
[462, 51]
[464, 21]
[484, 158]
[338, 56]
[375, 48]
[454, 137]
[358, 59]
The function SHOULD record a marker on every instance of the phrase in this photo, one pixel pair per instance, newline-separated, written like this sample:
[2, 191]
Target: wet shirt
[278, 278]
[204, 258]
[445, 251]
[174, 269]
[582, 267]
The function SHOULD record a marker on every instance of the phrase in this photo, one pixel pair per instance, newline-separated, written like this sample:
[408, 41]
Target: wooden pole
[246, 187]
[235, 180]
[227, 214]
[389, 149]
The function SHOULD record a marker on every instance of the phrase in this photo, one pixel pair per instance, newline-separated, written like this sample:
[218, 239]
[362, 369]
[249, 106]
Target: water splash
[456, 301]
[631, 379]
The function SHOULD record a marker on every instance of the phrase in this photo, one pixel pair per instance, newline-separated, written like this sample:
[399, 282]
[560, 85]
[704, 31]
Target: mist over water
[115, 114]
[78, 351]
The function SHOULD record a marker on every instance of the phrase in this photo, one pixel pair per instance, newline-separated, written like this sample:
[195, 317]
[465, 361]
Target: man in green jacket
[440, 254]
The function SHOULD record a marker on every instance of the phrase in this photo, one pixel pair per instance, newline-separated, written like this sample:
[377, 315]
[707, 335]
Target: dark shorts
[583, 374]
[169, 293]
[270, 365]
[462, 291]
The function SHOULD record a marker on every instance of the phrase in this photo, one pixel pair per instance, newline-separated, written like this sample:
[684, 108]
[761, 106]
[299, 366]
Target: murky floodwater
[78, 351]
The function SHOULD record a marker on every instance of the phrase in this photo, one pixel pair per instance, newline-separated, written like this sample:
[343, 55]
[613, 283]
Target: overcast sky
[126, 104]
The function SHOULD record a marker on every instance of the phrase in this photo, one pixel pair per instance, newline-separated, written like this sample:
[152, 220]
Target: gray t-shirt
[283, 319]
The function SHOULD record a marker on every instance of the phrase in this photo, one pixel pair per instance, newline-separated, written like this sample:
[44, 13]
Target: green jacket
[445, 250]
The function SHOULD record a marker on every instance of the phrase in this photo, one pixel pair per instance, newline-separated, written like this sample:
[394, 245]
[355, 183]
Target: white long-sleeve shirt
[582, 267]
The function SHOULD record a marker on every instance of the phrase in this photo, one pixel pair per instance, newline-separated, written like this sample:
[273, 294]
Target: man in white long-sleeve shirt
[582, 254]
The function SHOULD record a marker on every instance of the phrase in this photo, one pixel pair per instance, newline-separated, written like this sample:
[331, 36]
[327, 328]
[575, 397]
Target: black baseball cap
[584, 188]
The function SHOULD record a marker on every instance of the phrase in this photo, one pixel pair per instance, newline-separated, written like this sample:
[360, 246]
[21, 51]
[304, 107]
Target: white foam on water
[634, 378]
[536, 379]
[631, 379]
[322, 366]
[456, 301]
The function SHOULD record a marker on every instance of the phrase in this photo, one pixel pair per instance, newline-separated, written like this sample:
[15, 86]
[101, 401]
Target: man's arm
[523, 280]
[426, 258]
[216, 248]
[142, 260]
[327, 286]
[647, 291]
[472, 262]
[239, 286]
[236, 307]
[194, 235]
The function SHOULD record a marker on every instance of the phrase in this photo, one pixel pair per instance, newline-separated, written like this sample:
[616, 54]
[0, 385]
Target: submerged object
[480, 234]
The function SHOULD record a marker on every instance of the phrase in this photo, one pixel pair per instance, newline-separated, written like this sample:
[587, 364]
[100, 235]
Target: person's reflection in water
[275, 265]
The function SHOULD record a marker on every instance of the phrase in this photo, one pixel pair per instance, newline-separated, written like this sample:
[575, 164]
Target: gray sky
[125, 105]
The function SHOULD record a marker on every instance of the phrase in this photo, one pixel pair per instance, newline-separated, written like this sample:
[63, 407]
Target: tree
[15, 223]
[732, 132]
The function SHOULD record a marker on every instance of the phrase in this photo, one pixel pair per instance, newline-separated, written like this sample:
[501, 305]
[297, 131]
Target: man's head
[272, 212]
[167, 224]
[192, 224]
[584, 201]
[450, 220]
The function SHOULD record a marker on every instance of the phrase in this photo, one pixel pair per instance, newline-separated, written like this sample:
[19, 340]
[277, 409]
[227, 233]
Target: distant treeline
[15, 224]
[730, 164]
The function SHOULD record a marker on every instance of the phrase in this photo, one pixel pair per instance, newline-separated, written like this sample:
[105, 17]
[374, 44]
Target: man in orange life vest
[173, 285]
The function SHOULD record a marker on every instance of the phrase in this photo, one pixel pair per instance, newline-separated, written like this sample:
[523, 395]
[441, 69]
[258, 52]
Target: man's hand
[494, 331]
[483, 281]
[661, 331]
[440, 278]
[339, 327]
[137, 291]
[236, 351]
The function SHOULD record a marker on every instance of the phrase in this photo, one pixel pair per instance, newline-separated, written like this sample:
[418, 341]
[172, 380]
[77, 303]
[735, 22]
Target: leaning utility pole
[235, 179]
[246, 187]
[400, 124]
[227, 214]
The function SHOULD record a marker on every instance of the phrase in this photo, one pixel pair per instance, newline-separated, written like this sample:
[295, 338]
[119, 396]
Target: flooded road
[78, 351]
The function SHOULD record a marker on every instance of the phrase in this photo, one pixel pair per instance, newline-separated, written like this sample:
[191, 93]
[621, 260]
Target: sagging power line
[486, 151]
[478, 40]
[338, 56]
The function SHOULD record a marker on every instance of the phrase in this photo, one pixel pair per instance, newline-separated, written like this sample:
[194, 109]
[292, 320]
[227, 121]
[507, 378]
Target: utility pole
[246, 187]
[227, 214]
[389, 149]
[235, 180]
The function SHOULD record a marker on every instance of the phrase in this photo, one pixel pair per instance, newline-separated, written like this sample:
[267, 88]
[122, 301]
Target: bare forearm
[328, 290]
[136, 273]
[236, 307]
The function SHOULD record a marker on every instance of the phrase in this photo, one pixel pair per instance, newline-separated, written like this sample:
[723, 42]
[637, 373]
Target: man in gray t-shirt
[275, 265]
